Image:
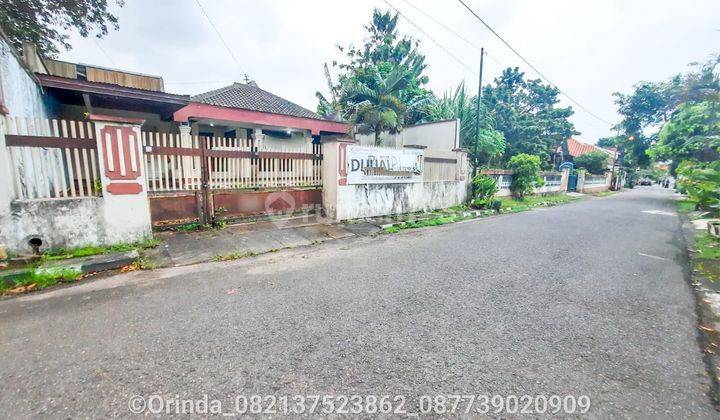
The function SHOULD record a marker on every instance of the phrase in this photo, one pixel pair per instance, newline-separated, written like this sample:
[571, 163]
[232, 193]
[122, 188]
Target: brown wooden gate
[196, 178]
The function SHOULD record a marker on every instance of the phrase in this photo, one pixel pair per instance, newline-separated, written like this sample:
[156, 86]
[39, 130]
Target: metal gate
[572, 182]
[195, 178]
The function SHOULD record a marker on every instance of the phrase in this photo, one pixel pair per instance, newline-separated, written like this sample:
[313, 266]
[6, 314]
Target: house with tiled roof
[572, 148]
[244, 110]
[240, 110]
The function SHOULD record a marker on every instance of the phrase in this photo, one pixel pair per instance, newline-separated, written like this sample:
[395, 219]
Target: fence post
[126, 209]
[334, 175]
[581, 181]
[187, 161]
[564, 179]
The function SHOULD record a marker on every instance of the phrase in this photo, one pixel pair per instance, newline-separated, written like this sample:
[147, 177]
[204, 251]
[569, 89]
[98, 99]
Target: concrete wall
[584, 186]
[343, 201]
[22, 95]
[65, 223]
[370, 200]
[436, 135]
[503, 177]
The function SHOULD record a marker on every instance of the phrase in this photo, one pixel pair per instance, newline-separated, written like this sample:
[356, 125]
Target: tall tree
[373, 105]
[46, 22]
[526, 112]
[485, 147]
[383, 51]
[652, 105]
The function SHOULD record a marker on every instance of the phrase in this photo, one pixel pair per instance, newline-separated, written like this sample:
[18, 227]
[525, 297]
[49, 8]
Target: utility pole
[475, 159]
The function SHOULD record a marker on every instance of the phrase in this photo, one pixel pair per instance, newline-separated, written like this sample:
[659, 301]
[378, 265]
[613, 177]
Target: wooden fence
[228, 163]
[52, 158]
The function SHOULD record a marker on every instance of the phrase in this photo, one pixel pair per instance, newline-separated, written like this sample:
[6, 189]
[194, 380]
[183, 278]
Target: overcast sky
[589, 48]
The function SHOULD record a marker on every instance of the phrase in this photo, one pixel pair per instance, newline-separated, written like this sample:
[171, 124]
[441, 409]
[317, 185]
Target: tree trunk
[377, 137]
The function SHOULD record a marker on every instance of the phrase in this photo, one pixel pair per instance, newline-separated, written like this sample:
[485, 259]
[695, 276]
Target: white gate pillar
[126, 209]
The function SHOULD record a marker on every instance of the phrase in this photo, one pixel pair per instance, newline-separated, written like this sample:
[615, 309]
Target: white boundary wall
[344, 201]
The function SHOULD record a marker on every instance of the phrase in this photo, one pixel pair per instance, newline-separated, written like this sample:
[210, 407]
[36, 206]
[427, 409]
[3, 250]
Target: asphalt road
[583, 299]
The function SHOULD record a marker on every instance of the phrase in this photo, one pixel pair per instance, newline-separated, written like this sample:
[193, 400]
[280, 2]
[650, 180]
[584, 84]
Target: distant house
[572, 148]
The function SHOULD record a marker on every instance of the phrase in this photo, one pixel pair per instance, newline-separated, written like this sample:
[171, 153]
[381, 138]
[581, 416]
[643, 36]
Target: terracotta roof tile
[576, 148]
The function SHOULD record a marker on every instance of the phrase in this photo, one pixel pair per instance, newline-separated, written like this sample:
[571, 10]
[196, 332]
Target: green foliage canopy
[46, 23]
[381, 84]
[526, 112]
[594, 162]
[526, 174]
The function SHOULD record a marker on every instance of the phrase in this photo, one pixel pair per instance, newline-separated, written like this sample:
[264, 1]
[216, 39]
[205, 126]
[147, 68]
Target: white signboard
[378, 165]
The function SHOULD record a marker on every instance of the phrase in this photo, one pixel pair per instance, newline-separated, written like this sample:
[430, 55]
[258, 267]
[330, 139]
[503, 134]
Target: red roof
[576, 148]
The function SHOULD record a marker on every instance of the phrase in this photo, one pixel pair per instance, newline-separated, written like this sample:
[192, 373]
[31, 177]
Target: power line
[485, 53]
[221, 38]
[447, 28]
[530, 65]
[470, 69]
[97, 44]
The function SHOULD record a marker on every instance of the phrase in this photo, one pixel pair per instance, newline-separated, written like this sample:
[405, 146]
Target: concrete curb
[707, 308]
[95, 263]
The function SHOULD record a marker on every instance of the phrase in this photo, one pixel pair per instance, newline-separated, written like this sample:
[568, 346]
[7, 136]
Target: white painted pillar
[7, 190]
[188, 173]
[334, 176]
[564, 179]
[126, 209]
[581, 181]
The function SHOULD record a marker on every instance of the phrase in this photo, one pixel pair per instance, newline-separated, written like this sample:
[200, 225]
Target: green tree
[526, 112]
[382, 54]
[594, 162]
[46, 22]
[485, 147]
[693, 133]
[606, 142]
[375, 107]
[652, 105]
[526, 174]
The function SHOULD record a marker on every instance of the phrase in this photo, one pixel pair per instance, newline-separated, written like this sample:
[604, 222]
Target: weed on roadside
[39, 279]
[233, 256]
[66, 253]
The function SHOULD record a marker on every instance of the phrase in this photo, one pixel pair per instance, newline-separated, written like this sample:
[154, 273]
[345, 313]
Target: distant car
[646, 181]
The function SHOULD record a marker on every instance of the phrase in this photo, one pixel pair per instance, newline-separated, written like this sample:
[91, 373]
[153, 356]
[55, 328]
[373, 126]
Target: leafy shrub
[594, 162]
[484, 190]
[702, 183]
[496, 205]
[526, 174]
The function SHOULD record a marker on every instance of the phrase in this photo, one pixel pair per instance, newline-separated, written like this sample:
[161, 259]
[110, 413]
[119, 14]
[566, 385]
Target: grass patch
[707, 258]
[188, 227]
[64, 253]
[234, 255]
[511, 203]
[685, 206]
[39, 279]
[708, 247]
[414, 224]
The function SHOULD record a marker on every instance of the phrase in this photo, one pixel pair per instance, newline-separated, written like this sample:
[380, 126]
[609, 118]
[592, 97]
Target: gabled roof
[249, 96]
[576, 148]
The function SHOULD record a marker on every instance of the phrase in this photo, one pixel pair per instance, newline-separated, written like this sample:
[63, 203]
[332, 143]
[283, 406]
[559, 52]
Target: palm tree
[485, 147]
[375, 106]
